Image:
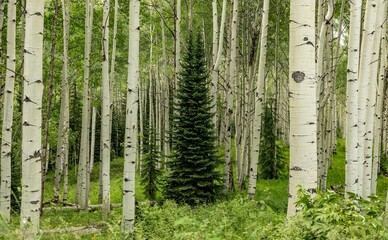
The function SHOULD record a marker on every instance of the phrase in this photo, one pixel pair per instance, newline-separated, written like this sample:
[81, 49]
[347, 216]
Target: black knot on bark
[298, 76]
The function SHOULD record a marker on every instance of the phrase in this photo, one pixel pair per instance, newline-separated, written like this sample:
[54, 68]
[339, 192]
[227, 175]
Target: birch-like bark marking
[6, 140]
[351, 175]
[130, 145]
[177, 42]
[32, 119]
[368, 32]
[378, 114]
[63, 129]
[370, 180]
[81, 197]
[258, 102]
[93, 138]
[105, 113]
[303, 111]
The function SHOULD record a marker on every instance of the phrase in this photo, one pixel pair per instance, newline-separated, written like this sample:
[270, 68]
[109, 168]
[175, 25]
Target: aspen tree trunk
[351, 173]
[258, 102]
[214, 82]
[81, 197]
[368, 33]
[233, 73]
[6, 140]
[303, 111]
[2, 15]
[371, 101]
[61, 159]
[379, 112]
[321, 133]
[112, 66]
[44, 156]
[177, 42]
[130, 146]
[166, 94]
[105, 113]
[93, 138]
[32, 119]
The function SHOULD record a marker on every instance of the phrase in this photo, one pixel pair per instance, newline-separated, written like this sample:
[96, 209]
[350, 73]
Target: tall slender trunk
[368, 33]
[258, 103]
[2, 6]
[32, 119]
[93, 138]
[81, 196]
[303, 111]
[351, 175]
[379, 112]
[130, 145]
[371, 100]
[177, 42]
[105, 113]
[50, 89]
[6, 140]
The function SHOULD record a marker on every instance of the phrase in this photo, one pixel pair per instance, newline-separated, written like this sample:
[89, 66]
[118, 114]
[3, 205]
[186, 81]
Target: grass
[236, 218]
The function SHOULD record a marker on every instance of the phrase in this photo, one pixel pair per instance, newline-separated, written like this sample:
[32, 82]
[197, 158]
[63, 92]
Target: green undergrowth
[233, 218]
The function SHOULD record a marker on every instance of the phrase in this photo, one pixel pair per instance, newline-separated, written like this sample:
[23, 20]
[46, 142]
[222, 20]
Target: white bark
[352, 98]
[63, 129]
[303, 111]
[258, 102]
[364, 165]
[177, 41]
[105, 113]
[371, 180]
[6, 140]
[130, 145]
[81, 197]
[214, 82]
[93, 138]
[32, 119]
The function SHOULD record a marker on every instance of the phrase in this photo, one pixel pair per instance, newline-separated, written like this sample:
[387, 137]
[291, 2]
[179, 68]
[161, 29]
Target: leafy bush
[331, 216]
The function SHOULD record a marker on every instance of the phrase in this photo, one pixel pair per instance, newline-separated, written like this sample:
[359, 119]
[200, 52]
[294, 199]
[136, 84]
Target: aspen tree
[93, 138]
[378, 114]
[63, 129]
[368, 33]
[351, 173]
[2, 6]
[105, 113]
[233, 73]
[258, 102]
[177, 42]
[218, 46]
[6, 140]
[50, 86]
[130, 145]
[81, 197]
[303, 113]
[32, 119]
[371, 101]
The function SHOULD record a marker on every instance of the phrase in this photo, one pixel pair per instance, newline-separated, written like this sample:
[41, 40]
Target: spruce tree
[150, 171]
[193, 178]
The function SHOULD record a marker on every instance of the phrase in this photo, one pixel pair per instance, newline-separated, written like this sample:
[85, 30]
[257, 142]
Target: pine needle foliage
[272, 161]
[193, 177]
[150, 171]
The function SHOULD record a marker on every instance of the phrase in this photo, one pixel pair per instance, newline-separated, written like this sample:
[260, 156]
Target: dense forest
[193, 119]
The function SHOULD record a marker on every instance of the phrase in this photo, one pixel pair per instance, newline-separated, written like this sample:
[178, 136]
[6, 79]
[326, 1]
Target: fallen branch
[76, 207]
[83, 230]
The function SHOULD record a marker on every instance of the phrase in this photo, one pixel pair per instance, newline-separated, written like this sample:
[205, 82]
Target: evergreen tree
[150, 171]
[272, 161]
[193, 178]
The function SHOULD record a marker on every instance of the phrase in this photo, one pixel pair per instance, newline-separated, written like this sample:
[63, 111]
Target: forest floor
[232, 218]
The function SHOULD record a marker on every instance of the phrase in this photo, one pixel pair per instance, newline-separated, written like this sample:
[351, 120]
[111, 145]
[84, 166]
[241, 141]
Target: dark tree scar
[298, 76]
